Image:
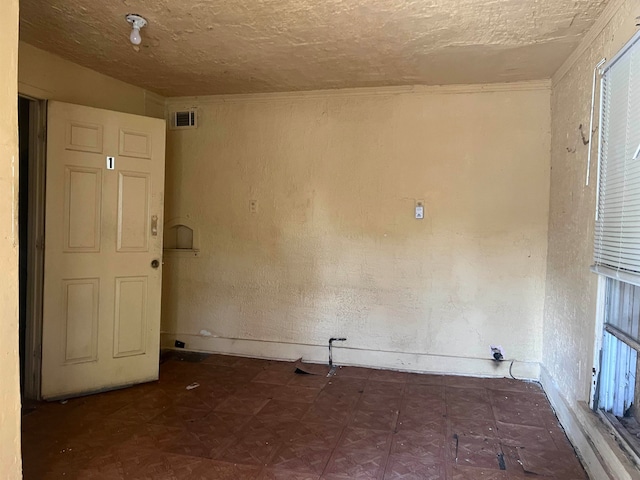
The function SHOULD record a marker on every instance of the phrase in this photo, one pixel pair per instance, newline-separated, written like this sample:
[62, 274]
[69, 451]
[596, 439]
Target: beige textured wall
[47, 76]
[334, 249]
[570, 304]
[10, 462]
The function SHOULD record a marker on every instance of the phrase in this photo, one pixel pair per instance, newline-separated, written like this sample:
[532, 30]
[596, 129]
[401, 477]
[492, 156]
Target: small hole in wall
[179, 237]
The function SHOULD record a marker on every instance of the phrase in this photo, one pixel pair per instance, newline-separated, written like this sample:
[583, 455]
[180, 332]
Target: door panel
[131, 316]
[81, 298]
[101, 314]
[133, 211]
[84, 137]
[82, 206]
[135, 144]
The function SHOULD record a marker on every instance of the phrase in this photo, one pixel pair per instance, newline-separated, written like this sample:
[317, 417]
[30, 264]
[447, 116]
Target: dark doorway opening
[24, 106]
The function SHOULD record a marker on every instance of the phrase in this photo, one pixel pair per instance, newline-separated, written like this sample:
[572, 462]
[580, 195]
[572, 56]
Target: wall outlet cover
[497, 352]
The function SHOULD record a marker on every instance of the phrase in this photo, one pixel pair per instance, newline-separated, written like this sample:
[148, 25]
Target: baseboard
[594, 443]
[344, 355]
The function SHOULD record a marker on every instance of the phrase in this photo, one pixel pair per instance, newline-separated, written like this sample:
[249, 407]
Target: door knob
[155, 263]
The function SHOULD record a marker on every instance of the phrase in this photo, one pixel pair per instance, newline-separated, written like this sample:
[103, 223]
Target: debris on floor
[311, 368]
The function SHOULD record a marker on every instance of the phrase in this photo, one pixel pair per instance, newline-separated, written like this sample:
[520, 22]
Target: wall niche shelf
[180, 239]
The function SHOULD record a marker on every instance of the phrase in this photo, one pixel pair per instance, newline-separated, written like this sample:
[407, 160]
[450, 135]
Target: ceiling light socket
[137, 22]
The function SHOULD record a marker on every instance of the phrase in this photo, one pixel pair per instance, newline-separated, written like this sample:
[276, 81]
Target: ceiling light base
[136, 21]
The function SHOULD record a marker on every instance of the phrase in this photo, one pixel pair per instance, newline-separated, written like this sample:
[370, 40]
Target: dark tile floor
[257, 419]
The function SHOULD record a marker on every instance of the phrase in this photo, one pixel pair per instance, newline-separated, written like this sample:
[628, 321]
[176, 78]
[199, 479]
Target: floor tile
[252, 418]
[297, 393]
[269, 429]
[220, 360]
[462, 381]
[275, 377]
[301, 458]
[421, 407]
[379, 403]
[308, 380]
[315, 434]
[283, 410]
[463, 409]
[365, 439]
[475, 452]
[281, 474]
[179, 416]
[425, 391]
[471, 473]
[358, 464]
[425, 379]
[375, 419]
[422, 425]
[188, 468]
[426, 447]
[353, 372]
[389, 376]
[242, 404]
[550, 462]
[345, 386]
[526, 436]
[377, 387]
[334, 413]
[249, 451]
[475, 427]
[408, 467]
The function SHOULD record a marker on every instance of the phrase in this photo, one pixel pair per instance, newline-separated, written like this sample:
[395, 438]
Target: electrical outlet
[419, 210]
[253, 206]
[497, 352]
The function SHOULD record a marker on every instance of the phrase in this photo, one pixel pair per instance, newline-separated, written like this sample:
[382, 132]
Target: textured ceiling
[198, 47]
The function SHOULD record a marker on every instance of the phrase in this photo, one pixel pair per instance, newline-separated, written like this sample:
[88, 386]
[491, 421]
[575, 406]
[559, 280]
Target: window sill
[619, 462]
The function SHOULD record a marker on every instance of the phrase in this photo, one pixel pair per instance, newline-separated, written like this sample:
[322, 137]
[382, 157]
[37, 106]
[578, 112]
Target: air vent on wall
[184, 119]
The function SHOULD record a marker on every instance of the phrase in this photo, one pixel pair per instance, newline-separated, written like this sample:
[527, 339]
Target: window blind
[617, 230]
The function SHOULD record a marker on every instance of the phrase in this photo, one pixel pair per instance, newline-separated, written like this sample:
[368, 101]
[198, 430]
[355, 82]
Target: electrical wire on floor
[510, 367]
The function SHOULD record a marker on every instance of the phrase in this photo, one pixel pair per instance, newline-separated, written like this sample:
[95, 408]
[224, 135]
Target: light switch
[419, 210]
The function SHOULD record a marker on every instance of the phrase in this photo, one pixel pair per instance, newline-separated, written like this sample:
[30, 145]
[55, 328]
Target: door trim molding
[35, 242]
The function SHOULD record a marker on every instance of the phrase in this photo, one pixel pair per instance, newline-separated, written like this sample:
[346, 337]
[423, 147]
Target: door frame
[35, 245]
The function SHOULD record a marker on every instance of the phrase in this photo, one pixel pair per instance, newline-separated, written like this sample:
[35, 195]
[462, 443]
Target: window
[616, 392]
[617, 242]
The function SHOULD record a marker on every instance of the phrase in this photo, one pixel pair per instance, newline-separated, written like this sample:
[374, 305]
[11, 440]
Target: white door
[103, 250]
